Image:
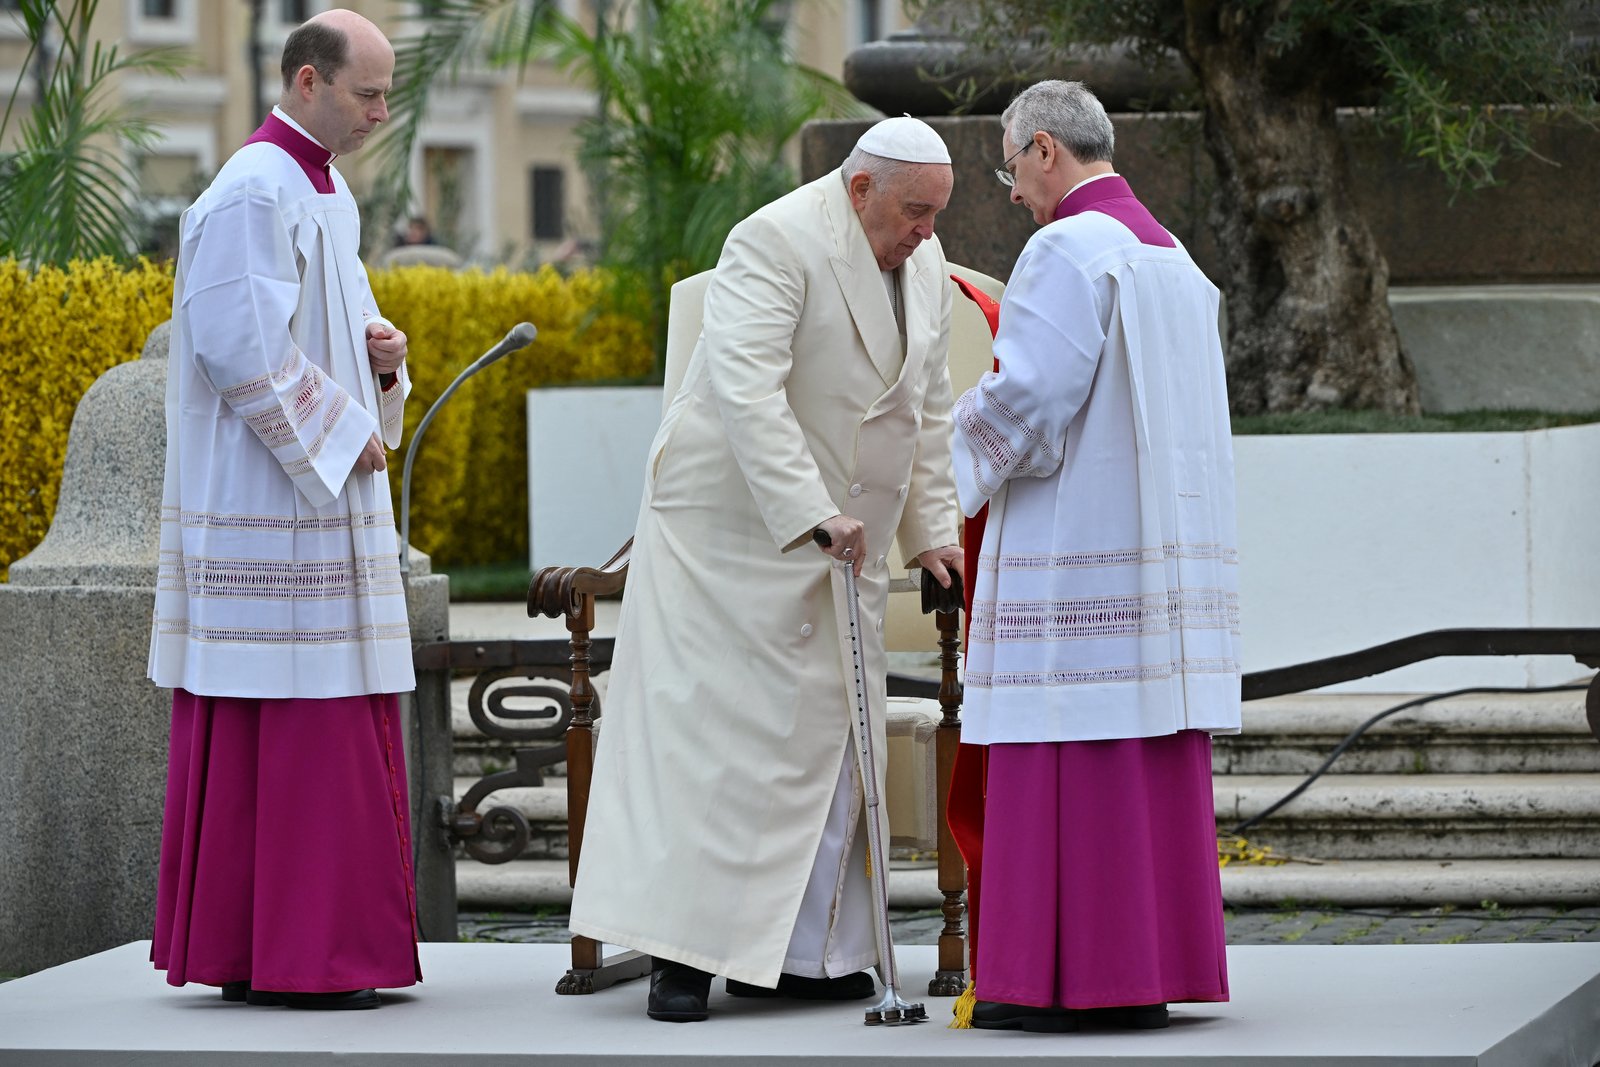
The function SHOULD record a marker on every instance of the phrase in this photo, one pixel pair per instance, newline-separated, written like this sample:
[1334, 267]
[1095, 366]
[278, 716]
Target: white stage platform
[1327, 1006]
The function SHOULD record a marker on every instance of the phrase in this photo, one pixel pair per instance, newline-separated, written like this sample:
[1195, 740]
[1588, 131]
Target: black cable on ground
[1355, 735]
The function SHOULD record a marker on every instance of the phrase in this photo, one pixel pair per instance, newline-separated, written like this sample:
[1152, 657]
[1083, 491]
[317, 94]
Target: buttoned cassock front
[729, 711]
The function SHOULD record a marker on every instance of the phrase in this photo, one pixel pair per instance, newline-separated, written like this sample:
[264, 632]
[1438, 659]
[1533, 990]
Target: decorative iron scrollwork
[537, 708]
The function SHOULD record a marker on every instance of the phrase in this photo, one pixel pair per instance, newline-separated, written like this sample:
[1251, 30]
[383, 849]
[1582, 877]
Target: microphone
[520, 336]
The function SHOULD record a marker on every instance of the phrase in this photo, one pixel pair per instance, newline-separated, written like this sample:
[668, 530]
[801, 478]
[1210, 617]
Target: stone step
[1395, 883]
[1519, 733]
[1344, 816]
[1415, 883]
[529, 883]
[1432, 816]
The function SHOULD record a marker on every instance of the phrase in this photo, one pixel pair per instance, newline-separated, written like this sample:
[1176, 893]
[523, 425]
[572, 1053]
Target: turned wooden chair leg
[591, 970]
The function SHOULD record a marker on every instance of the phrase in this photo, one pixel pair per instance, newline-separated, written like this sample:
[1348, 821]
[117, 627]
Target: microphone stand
[521, 335]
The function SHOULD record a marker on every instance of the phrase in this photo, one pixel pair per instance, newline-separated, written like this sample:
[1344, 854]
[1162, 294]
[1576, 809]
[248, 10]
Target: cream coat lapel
[856, 270]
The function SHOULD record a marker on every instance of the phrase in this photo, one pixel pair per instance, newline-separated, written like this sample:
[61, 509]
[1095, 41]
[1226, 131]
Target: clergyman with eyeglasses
[1104, 647]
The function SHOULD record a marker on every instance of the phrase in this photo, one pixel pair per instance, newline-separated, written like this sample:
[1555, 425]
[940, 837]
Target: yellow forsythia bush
[469, 486]
[59, 331]
[62, 329]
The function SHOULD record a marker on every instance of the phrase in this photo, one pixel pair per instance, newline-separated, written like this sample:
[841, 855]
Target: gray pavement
[1246, 926]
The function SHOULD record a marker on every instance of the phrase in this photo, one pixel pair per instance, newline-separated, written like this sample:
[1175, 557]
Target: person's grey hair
[1067, 111]
[881, 169]
[325, 48]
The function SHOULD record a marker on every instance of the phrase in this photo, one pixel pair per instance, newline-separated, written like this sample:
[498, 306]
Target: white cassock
[1106, 599]
[279, 572]
[722, 823]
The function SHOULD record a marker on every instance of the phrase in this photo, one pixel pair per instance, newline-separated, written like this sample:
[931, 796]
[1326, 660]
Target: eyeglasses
[1006, 177]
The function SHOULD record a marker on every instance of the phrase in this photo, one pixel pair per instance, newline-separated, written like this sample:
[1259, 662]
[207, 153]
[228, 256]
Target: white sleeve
[752, 308]
[1013, 423]
[242, 289]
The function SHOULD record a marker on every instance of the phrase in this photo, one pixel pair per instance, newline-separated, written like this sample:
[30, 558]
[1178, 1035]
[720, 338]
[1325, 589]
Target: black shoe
[995, 1015]
[1136, 1017]
[349, 1000]
[856, 986]
[678, 992]
[235, 992]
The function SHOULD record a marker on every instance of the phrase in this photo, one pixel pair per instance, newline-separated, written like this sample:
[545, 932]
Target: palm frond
[70, 185]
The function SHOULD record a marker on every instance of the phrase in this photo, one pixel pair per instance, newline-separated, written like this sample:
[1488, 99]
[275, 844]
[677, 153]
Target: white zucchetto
[905, 138]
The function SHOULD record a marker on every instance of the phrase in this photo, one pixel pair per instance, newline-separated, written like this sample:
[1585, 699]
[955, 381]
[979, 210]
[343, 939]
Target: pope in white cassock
[1103, 649]
[280, 619]
[724, 826]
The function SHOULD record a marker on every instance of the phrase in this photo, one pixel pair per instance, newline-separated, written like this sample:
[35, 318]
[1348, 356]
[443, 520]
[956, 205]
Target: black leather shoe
[349, 1000]
[995, 1015]
[678, 992]
[234, 992]
[1136, 1017]
[856, 986]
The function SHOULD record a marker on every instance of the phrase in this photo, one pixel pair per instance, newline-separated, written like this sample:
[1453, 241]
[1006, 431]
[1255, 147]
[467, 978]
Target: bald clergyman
[280, 620]
[725, 831]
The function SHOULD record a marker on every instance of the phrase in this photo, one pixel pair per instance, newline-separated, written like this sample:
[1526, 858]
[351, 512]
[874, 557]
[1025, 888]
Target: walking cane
[891, 1010]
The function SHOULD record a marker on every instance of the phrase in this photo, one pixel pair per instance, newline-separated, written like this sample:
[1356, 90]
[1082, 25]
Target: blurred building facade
[495, 170]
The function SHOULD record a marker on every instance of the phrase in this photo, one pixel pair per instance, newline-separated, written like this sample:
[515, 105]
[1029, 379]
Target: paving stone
[1289, 926]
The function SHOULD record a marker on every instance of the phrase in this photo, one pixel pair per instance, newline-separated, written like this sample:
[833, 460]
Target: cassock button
[855, 490]
[881, 560]
[903, 490]
[805, 629]
[880, 626]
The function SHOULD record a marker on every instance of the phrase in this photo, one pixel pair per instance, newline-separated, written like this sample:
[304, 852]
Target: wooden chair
[923, 732]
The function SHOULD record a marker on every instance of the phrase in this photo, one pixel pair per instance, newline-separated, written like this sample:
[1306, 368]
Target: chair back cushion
[685, 308]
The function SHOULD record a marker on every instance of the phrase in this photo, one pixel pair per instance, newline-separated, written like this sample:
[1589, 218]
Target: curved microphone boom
[520, 336]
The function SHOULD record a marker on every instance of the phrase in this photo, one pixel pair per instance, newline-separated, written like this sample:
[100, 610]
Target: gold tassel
[962, 1010]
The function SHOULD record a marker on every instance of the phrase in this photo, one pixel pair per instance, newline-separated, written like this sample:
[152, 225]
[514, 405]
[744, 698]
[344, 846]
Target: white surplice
[1106, 598]
[279, 570]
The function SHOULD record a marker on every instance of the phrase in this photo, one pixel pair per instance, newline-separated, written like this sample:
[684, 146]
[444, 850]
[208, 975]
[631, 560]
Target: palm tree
[697, 101]
[67, 192]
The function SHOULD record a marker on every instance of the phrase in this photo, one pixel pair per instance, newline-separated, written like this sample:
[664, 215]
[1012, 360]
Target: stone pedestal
[83, 733]
[83, 763]
[429, 766]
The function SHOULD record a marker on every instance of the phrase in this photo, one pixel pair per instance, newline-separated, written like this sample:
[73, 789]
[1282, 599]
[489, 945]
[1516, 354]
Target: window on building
[163, 174]
[294, 12]
[160, 9]
[871, 19]
[549, 204]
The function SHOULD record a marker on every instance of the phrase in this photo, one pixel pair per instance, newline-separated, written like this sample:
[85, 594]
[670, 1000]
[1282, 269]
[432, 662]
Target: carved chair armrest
[936, 597]
[555, 591]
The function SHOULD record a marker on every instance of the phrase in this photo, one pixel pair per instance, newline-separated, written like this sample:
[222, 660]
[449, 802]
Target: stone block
[82, 772]
[1502, 346]
[83, 769]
